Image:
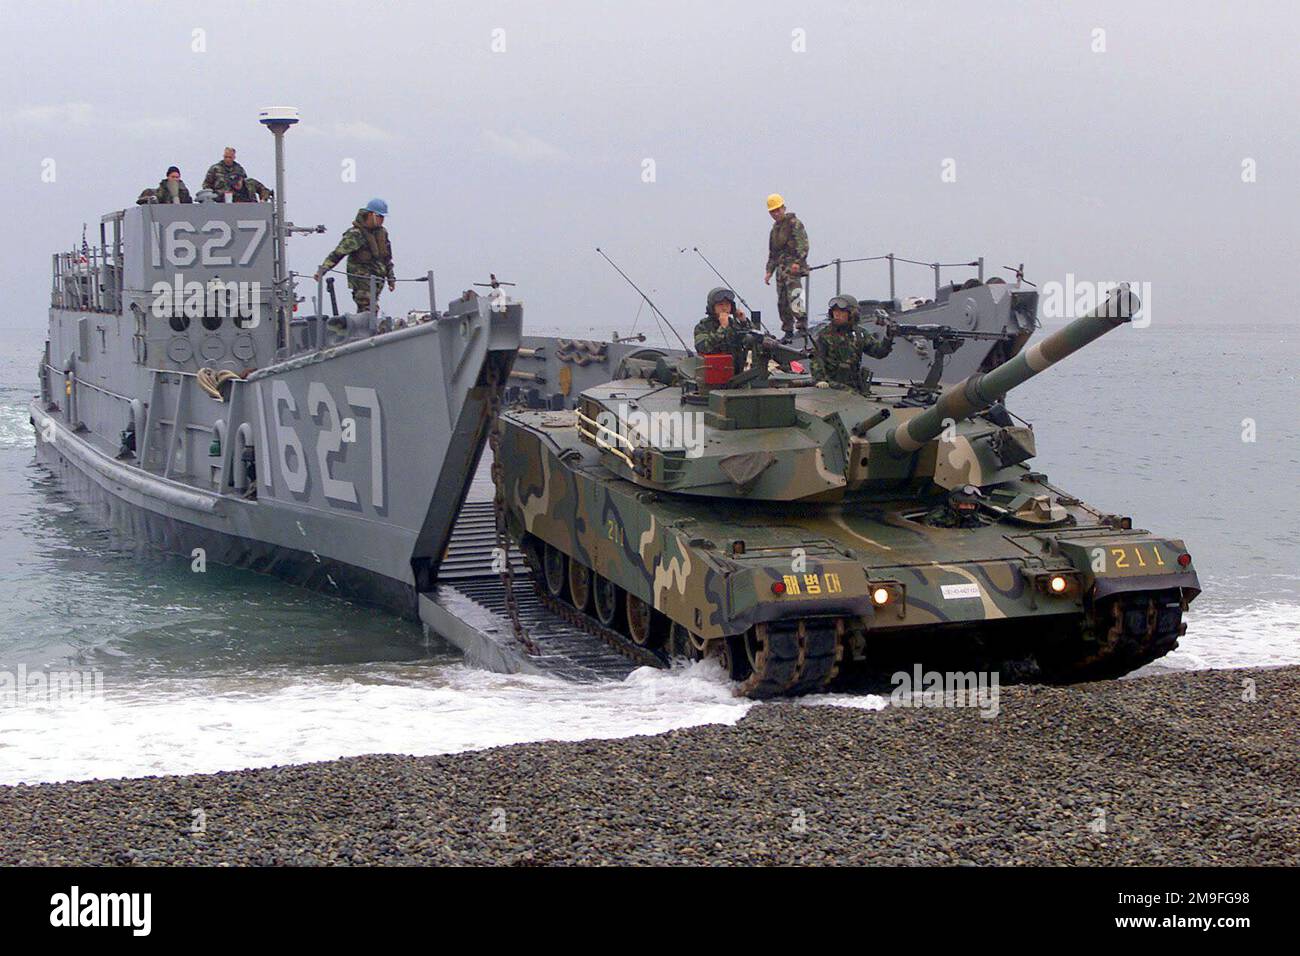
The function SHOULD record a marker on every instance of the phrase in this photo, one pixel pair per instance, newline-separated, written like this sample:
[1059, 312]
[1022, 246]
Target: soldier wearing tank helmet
[369, 255]
[787, 259]
[723, 328]
[838, 350]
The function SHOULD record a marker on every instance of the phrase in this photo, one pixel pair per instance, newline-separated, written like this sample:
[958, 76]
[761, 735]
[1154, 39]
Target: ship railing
[319, 319]
[78, 382]
[90, 279]
[892, 261]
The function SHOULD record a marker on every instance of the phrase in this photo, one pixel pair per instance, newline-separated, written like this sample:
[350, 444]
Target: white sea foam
[15, 427]
[1258, 635]
[224, 724]
[300, 715]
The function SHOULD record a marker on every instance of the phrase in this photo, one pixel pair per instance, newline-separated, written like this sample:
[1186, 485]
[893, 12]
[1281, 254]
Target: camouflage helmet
[846, 302]
[717, 295]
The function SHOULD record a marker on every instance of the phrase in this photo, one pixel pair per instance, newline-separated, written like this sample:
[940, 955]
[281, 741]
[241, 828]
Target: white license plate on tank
[953, 592]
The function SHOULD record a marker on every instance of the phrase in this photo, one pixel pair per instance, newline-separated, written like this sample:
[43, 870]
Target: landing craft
[333, 451]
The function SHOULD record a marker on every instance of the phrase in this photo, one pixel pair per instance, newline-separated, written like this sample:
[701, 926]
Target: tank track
[804, 656]
[797, 657]
[1139, 628]
[787, 658]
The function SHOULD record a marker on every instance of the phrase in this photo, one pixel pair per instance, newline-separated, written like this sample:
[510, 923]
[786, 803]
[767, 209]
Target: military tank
[809, 537]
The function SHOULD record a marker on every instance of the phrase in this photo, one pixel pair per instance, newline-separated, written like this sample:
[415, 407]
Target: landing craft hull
[149, 523]
[362, 453]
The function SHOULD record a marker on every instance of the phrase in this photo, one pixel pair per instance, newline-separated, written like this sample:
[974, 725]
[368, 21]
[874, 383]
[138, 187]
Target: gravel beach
[1164, 770]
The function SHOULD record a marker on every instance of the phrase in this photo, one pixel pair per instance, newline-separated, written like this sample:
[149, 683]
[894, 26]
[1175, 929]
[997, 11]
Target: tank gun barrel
[983, 389]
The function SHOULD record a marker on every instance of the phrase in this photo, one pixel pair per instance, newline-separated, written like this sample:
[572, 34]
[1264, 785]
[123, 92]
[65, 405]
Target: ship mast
[278, 119]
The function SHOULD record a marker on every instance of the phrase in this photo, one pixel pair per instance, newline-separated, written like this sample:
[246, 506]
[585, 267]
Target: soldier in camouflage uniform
[369, 253]
[221, 176]
[170, 190]
[249, 190]
[838, 350]
[787, 259]
[723, 328]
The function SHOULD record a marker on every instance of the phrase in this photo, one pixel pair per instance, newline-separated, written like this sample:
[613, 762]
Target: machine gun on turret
[943, 339]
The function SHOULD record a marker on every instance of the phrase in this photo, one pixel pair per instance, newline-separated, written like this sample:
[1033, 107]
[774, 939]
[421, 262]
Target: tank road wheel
[606, 597]
[735, 657]
[553, 571]
[579, 584]
[772, 654]
[646, 626]
[683, 644]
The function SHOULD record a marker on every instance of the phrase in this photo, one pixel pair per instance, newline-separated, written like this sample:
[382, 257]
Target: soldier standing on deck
[838, 351]
[787, 259]
[221, 176]
[369, 253]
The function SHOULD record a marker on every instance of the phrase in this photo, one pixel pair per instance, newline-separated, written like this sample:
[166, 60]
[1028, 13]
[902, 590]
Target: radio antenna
[654, 308]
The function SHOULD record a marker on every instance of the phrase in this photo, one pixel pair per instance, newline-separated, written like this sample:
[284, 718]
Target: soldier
[787, 259]
[369, 253]
[838, 351]
[170, 190]
[221, 176]
[722, 328]
[249, 190]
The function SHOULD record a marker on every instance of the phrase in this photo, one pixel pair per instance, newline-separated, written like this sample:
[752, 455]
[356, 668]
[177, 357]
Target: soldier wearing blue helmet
[369, 254]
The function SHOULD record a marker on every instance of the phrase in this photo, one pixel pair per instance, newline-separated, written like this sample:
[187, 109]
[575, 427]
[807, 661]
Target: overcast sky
[1117, 163]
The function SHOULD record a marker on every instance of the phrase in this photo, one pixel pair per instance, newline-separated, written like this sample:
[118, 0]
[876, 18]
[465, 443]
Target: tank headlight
[1184, 559]
[1058, 583]
[778, 587]
[880, 596]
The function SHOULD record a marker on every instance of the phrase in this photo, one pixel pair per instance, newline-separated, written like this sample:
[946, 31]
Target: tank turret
[787, 441]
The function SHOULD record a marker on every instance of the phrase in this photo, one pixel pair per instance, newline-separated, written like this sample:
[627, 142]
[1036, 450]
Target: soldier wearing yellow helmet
[787, 259]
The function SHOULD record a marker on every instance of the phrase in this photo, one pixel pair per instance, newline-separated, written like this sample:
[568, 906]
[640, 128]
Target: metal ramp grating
[469, 594]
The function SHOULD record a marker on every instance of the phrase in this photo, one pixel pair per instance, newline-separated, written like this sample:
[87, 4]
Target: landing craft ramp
[467, 607]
